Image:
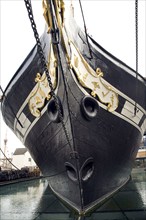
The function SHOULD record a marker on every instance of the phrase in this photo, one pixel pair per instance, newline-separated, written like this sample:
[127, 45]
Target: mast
[5, 162]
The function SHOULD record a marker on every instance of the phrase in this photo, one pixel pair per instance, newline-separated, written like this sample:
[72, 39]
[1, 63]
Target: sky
[110, 22]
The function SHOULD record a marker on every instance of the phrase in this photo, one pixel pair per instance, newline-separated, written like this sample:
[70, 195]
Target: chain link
[39, 46]
[44, 65]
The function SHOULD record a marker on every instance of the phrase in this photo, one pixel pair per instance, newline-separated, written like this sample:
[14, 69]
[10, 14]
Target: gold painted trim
[47, 15]
[87, 77]
[59, 10]
[92, 80]
[41, 91]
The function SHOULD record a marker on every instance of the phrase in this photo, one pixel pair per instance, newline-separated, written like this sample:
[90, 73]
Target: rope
[122, 211]
[73, 153]
[8, 159]
[55, 174]
[45, 176]
[136, 45]
[43, 61]
[136, 32]
[3, 95]
[85, 29]
[62, 71]
[55, 40]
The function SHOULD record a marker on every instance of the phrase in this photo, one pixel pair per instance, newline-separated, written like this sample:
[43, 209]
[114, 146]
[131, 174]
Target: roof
[20, 151]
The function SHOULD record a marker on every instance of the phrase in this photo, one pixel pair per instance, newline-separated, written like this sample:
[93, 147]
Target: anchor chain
[39, 46]
[44, 65]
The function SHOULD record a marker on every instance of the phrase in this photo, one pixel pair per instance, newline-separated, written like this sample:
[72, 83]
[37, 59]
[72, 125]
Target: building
[21, 158]
[141, 155]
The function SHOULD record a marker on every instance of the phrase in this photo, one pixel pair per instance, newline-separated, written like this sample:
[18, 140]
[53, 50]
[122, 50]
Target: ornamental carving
[93, 80]
[41, 91]
[59, 10]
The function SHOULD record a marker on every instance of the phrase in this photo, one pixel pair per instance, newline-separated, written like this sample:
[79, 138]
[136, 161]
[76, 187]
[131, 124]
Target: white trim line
[122, 66]
[116, 113]
[127, 113]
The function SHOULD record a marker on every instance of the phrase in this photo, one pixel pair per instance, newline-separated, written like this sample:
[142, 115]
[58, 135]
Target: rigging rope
[3, 95]
[44, 65]
[85, 28]
[136, 44]
[8, 159]
[45, 176]
[122, 211]
[74, 153]
[136, 32]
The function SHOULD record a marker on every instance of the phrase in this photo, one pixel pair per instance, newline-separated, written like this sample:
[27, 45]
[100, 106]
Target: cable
[136, 44]
[85, 29]
[9, 160]
[3, 95]
[55, 34]
[75, 154]
[136, 32]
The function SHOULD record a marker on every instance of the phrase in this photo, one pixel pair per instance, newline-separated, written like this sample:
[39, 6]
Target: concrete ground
[33, 200]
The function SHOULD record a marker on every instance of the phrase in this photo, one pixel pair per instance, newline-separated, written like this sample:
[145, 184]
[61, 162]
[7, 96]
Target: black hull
[91, 156]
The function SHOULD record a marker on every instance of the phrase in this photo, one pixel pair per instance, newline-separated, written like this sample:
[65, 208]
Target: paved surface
[4, 183]
[33, 200]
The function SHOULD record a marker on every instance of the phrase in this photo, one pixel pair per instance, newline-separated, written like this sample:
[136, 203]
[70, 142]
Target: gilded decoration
[92, 80]
[41, 91]
[59, 8]
[87, 77]
[47, 15]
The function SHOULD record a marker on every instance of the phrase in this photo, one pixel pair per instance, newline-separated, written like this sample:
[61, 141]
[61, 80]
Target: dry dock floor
[33, 200]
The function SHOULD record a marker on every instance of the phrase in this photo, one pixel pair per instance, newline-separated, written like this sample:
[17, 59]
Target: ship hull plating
[89, 155]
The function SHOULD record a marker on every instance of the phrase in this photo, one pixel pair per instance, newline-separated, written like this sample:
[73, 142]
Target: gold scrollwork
[47, 15]
[92, 80]
[41, 91]
[59, 9]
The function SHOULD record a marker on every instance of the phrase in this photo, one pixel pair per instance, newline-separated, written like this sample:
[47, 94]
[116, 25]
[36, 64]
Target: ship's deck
[33, 200]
